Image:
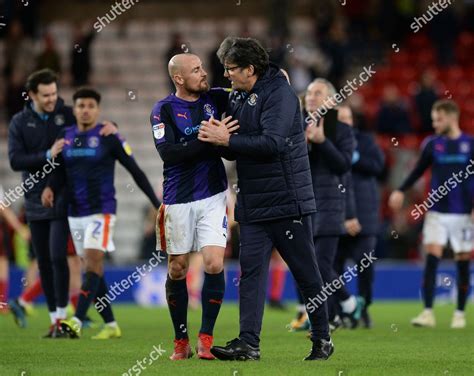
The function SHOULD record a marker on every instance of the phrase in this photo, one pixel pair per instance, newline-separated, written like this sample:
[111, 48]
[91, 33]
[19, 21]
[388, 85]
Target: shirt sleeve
[338, 155]
[425, 160]
[171, 150]
[371, 160]
[351, 208]
[20, 158]
[58, 177]
[123, 153]
[221, 98]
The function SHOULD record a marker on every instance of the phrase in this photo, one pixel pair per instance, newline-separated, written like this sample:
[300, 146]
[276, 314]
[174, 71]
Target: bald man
[193, 214]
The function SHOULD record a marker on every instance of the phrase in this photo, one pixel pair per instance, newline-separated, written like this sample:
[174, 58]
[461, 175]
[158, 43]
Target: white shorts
[93, 232]
[183, 228]
[438, 228]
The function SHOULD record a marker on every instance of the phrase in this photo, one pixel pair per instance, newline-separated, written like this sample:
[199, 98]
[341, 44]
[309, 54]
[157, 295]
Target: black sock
[463, 283]
[177, 298]
[87, 294]
[212, 294]
[104, 307]
[429, 279]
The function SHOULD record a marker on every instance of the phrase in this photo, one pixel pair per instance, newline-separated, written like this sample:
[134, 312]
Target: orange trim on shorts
[161, 224]
[105, 239]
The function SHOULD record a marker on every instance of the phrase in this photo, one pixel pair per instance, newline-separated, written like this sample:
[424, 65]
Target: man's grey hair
[329, 85]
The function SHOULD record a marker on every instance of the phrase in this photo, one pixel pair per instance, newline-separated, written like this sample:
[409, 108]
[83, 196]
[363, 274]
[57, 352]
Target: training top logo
[59, 119]
[253, 99]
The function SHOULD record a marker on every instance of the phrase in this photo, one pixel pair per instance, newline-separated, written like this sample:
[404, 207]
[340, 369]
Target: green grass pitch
[392, 347]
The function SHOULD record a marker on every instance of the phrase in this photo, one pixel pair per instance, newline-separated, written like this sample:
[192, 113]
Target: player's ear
[251, 70]
[178, 79]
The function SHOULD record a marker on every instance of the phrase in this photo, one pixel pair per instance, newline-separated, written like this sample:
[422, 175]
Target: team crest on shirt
[253, 99]
[158, 131]
[59, 119]
[93, 142]
[464, 147]
[208, 110]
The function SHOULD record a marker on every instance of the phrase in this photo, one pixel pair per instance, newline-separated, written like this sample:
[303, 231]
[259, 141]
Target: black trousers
[355, 248]
[49, 238]
[326, 250]
[293, 239]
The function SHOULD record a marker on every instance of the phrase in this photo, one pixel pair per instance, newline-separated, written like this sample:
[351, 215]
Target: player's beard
[445, 131]
[202, 88]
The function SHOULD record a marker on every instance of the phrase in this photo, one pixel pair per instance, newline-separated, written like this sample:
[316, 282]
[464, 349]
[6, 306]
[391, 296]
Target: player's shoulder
[219, 92]
[430, 140]
[170, 99]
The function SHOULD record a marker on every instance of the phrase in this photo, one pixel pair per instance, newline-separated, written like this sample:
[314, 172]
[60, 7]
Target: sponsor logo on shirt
[192, 130]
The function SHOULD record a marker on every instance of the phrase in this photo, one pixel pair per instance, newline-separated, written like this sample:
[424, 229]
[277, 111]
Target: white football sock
[52, 317]
[61, 313]
[349, 305]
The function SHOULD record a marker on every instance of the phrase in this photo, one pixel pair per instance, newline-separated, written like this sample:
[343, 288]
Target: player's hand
[57, 147]
[47, 198]
[214, 132]
[108, 128]
[352, 226]
[315, 133]
[25, 233]
[395, 201]
[231, 125]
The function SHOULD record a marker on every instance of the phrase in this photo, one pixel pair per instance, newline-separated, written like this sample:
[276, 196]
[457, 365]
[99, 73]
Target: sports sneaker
[322, 349]
[351, 320]
[182, 350]
[424, 319]
[236, 349]
[55, 331]
[335, 324]
[204, 345]
[301, 322]
[108, 332]
[18, 311]
[458, 321]
[71, 327]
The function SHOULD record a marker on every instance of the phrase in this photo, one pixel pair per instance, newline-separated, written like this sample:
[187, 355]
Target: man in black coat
[275, 196]
[330, 158]
[32, 149]
[362, 209]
